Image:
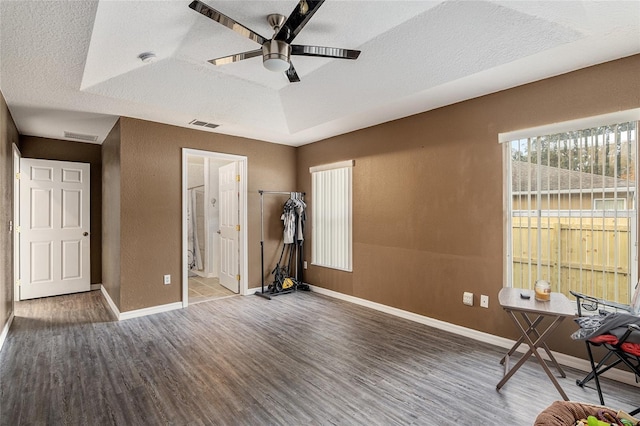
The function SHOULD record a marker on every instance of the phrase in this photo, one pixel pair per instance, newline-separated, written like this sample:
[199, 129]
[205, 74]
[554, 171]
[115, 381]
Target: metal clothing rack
[262, 293]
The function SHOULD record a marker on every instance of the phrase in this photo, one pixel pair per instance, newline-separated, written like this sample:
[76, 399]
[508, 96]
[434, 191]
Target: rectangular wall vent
[203, 124]
[80, 136]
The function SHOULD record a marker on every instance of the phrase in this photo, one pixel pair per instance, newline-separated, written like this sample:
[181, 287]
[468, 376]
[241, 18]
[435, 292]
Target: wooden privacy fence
[588, 255]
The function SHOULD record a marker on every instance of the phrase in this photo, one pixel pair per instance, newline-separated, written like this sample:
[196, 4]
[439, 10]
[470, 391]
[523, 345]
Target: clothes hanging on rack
[293, 216]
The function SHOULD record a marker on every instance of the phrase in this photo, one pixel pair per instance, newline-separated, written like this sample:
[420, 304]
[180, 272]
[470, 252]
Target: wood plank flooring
[299, 359]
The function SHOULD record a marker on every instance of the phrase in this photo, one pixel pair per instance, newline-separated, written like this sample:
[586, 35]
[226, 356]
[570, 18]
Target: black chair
[615, 328]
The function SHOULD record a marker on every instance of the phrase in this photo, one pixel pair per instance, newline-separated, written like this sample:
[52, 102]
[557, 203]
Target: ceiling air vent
[203, 124]
[80, 137]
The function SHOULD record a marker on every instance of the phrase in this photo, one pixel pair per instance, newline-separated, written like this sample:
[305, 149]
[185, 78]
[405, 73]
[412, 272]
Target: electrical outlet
[305, 264]
[467, 298]
[167, 279]
[484, 301]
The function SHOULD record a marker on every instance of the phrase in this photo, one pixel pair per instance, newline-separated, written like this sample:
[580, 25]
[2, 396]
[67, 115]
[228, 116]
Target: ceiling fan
[276, 52]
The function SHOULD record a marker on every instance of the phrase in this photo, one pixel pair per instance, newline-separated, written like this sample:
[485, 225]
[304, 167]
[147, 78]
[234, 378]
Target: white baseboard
[137, 312]
[252, 291]
[96, 286]
[564, 359]
[5, 330]
[112, 305]
[150, 311]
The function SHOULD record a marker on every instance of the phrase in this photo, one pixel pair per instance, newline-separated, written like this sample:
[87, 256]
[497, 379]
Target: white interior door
[54, 228]
[229, 185]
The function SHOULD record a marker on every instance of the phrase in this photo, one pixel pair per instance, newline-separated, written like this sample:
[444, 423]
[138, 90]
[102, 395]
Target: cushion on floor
[565, 413]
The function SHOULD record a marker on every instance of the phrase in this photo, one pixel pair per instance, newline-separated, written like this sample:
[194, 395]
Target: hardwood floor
[299, 359]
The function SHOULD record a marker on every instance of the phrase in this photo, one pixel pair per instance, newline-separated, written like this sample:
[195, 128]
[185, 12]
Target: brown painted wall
[111, 214]
[53, 149]
[151, 204]
[427, 195]
[8, 136]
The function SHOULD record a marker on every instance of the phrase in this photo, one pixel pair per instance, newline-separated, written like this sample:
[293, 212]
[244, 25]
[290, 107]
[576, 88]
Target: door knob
[85, 233]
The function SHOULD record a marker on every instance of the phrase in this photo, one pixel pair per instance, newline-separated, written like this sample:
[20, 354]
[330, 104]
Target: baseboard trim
[96, 286]
[252, 291]
[564, 359]
[5, 330]
[138, 312]
[110, 303]
[150, 310]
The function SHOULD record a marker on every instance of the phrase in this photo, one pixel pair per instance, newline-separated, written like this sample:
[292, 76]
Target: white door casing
[54, 228]
[16, 223]
[243, 267]
[229, 226]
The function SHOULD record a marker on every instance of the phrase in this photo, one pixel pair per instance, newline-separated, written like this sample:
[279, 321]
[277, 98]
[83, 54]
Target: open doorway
[214, 226]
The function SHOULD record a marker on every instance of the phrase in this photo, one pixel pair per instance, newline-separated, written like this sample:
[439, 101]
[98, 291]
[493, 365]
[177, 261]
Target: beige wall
[427, 199]
[8, 137]
[151, 204]
[111, 214]
[53, 149]
[427, 195]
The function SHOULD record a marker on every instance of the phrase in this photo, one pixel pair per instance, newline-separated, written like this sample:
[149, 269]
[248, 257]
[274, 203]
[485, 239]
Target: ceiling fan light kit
[276, 52]
[276, 55]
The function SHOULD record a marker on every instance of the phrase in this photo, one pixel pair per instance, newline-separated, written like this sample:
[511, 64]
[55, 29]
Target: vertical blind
[572, 216]
[331, 243]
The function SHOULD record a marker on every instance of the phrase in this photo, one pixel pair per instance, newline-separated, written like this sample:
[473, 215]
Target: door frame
[16, 223]
[242, 206]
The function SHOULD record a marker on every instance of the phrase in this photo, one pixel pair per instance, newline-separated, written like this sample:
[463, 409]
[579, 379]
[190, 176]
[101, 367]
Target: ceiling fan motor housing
[276, 55]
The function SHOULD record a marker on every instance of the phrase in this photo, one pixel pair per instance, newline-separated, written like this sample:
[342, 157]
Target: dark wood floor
[298, 359]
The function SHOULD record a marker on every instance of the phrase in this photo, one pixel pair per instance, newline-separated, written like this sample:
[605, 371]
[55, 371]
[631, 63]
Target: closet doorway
[214, 223]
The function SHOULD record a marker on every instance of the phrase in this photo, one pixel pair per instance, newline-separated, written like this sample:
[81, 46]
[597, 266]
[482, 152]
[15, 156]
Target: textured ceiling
[73, 65]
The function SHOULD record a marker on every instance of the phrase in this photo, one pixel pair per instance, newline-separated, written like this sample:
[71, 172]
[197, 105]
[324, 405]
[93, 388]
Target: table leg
[513, 369]
[532, 329]
[520, 341]
[542, 342]
[533, 350]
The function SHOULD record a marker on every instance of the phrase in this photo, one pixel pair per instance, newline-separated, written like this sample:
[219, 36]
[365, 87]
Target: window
[609, 204]
[331, 215]
[571, 210]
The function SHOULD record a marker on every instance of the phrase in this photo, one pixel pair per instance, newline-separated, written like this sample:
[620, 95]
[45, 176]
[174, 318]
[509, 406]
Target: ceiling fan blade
[237, 57]
[220, 18]
[298, 19]
[291, 74]
[325, 52]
